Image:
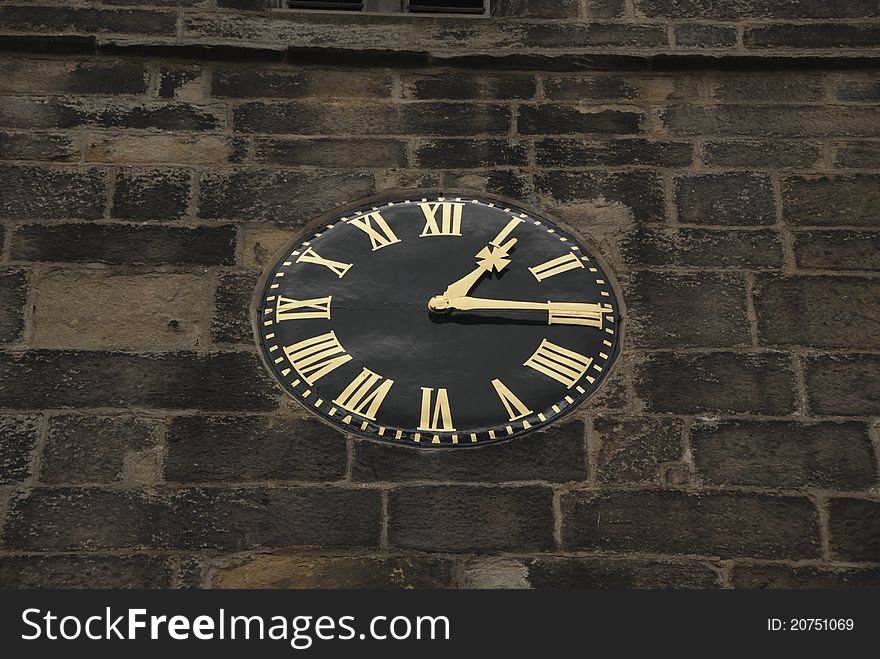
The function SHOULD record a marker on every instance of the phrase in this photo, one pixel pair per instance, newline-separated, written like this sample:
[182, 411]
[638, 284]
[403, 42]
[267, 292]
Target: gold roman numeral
[514, 406]
[576, 313]
[561, 364]
[311, 256]
[365, 394]
[381, 234]
[449, 223]
[289, 309]
[316, 357]
[436, 417]
[556, 266]
[498, 240]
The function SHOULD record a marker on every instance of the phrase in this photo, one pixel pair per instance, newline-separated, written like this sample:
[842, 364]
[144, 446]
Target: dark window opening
[474, 7]
[448, 6]
[325, 4]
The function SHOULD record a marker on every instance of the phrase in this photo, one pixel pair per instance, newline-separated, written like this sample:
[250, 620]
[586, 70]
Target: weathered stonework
[723, 157]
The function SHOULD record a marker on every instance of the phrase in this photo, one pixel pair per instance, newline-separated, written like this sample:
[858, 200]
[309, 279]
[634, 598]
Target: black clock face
[439, 322]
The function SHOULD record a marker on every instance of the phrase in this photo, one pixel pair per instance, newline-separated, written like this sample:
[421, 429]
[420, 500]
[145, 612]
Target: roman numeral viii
[449, 222]
[365, 394]
[316, 357]
[375, 226]
[561, 364]
[436, 416]
[556, 266]
[311, 256]
[290, 309]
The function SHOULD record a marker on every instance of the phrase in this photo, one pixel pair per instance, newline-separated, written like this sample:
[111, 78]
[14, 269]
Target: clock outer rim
[410, 193]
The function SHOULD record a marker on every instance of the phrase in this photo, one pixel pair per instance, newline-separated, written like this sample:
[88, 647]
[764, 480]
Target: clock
[441, 321]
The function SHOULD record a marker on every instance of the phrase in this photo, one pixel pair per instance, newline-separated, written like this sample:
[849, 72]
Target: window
[325, 4]
[448, 6]
[473, 7]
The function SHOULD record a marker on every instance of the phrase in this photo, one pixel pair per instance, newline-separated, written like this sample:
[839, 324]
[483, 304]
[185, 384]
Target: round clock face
[440, 321]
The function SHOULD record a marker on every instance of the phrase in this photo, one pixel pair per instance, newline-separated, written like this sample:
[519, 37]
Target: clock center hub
[438, 304]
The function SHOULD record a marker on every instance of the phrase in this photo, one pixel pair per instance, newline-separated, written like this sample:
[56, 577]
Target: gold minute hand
[558, 313]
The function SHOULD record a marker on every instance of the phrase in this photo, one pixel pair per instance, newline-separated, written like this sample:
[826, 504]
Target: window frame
[382, 8]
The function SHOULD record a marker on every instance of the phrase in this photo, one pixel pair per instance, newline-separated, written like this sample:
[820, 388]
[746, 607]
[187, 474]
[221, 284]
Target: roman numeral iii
[516, 409]
[556, 266]
[576, 313]
[449, 223]
[436, 415]
[316, 357]
[365, 394]
[289, 309]
[311, 256]
[375, 226]
[561, 364]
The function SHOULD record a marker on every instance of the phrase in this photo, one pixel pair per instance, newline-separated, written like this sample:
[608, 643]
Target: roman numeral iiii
[561, 364]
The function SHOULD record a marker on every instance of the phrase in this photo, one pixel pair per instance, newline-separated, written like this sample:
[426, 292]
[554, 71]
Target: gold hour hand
[493, 256]
[489, 258]
[558, 313]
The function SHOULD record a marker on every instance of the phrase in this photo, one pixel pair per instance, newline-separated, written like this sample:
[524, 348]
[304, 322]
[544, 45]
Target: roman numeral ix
[290, 309]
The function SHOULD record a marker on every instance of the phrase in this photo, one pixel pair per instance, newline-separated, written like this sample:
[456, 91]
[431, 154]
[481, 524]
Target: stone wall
[759, 27]
[155, 155]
